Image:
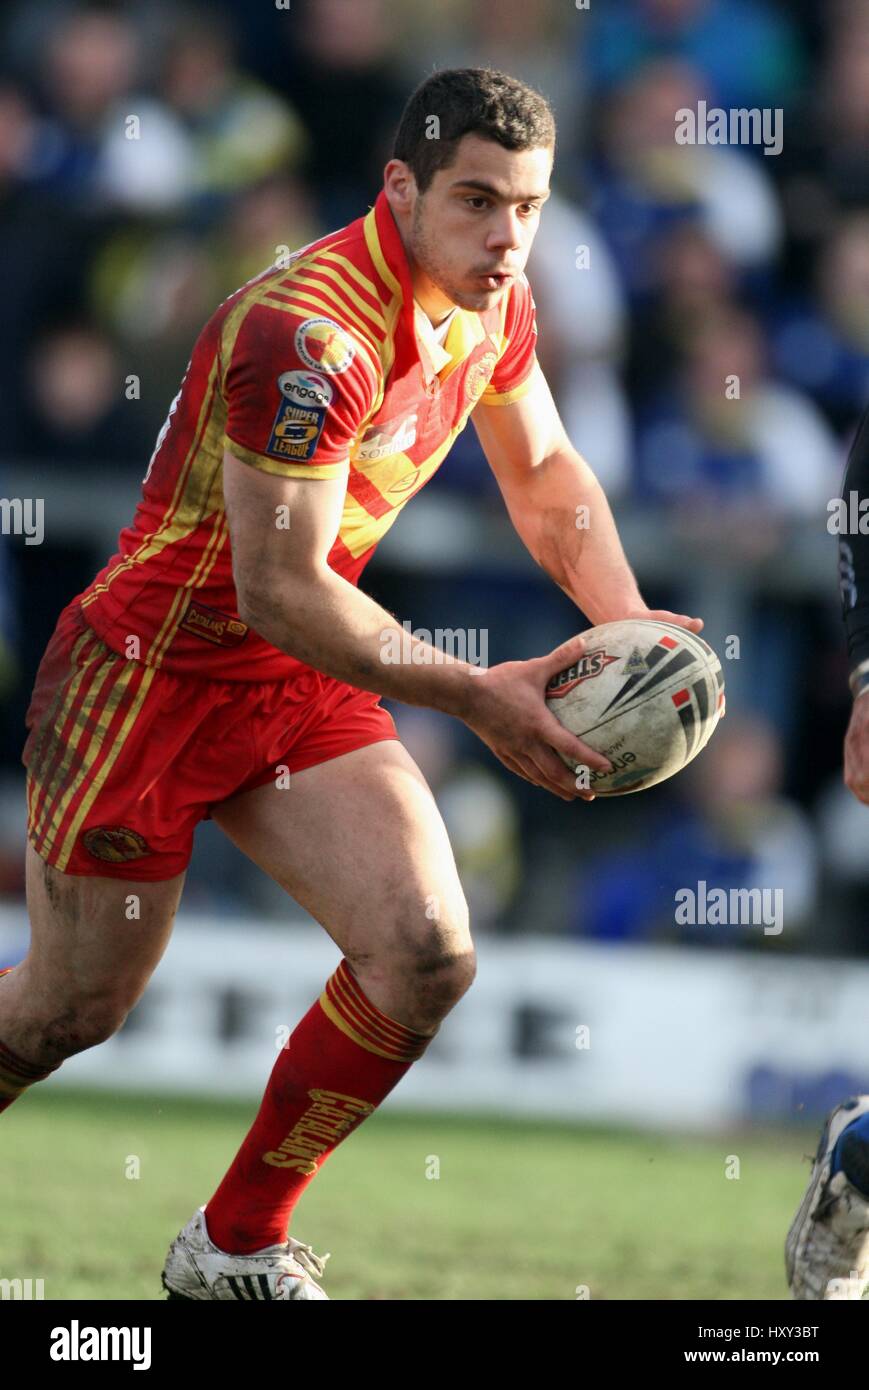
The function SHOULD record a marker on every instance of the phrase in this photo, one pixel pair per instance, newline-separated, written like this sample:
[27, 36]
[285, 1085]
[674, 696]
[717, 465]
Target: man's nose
[506, 230]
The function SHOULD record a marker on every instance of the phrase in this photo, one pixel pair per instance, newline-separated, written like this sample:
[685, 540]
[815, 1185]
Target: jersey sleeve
[512, 375]
[297, 391]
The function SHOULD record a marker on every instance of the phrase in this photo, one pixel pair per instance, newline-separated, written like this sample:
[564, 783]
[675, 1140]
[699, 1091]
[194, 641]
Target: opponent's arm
[854, 582]
[559, 508]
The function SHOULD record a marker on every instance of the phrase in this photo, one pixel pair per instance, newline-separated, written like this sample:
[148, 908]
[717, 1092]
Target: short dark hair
[469, 101]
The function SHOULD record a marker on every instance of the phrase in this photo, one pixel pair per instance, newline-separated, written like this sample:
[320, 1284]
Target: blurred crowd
[704, 323]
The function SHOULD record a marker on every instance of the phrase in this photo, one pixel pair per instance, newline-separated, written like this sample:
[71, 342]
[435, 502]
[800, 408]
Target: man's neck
[442, 323]
[435, 310]
[431, 301]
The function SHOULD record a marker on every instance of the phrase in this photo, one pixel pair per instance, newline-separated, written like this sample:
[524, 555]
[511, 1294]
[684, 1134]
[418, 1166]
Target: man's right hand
[857, 750]
[509, 713]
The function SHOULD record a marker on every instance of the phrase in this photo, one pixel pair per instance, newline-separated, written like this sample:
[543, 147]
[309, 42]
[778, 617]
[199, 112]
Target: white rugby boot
[827, 1246]
[196, 1269]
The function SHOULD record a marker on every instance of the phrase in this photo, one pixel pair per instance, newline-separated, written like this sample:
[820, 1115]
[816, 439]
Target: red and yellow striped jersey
[307, 365]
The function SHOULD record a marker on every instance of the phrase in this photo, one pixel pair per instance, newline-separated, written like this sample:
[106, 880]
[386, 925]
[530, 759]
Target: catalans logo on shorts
[115, 844]
[300, 416]
[213, 625]
[323, 345]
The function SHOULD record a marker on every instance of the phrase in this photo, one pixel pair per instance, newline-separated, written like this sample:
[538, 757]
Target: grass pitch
[519, 1210]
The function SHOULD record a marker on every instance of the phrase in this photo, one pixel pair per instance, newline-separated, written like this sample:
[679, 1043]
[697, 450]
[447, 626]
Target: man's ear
[400, 186]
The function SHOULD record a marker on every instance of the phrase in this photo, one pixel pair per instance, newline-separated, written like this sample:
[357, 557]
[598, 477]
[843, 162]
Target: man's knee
[446, 974]
[421, 960]
[439, 966]
[81, 1022]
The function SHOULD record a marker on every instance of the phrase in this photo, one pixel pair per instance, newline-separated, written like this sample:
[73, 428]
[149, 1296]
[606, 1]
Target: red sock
[343, 1059]
[16, 1074]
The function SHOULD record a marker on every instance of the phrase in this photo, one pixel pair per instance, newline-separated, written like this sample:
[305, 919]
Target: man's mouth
[496, 280]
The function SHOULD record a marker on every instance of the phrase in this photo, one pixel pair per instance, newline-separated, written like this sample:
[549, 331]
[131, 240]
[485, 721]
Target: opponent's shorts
[123, 760]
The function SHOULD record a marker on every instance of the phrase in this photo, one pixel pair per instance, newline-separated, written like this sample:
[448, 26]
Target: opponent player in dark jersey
[225, 662]
[827, 1248]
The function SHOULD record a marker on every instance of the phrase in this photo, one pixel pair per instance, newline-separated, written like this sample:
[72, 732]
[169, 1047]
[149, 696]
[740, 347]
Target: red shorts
[123, 760]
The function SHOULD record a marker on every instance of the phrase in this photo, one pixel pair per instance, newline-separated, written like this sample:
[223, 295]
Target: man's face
[470, 232]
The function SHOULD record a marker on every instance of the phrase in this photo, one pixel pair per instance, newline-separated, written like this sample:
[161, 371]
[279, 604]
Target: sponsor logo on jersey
[325, 346]
[378, 443]
[300, 416]
[590, 664]
[115, 843]
[305, 388]
[213, 625]
[478, 375]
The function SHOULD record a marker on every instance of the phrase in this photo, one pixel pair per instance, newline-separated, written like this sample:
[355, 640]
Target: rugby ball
[647, 695]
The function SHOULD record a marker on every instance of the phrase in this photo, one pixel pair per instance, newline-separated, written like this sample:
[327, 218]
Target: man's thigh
[359, 842]
[96, 934]
[94, 943]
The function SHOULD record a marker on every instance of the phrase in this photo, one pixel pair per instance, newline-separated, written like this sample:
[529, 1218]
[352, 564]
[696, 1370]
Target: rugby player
[827, 1246]
[227, 645]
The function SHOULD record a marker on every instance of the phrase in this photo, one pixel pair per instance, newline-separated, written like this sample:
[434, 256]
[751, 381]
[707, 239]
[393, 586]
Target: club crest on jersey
[325, 346]
[590, 664]
[478, 375]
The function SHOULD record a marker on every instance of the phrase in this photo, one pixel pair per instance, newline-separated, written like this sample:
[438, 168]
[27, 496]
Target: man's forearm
[854, 562]
[328, 623]
[561, 512]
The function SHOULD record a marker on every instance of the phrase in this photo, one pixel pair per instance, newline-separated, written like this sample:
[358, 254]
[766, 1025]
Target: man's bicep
[518, 436]
[278, 525]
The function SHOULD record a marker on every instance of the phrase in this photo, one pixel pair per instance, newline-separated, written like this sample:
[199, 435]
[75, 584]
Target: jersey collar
[437, 351]
[466, 330]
